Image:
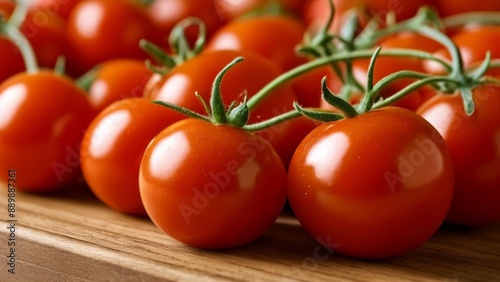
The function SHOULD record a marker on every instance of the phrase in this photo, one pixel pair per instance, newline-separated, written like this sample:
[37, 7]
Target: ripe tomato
[274, 37]
[165, 14]
[12, 61]
[61, 8]
[473, 43]
[230, 10]
[118, 79]
[453, 7]
[197, 75]
[100, 30]
[43, 119]
[113, 147]
[46, 34]
[366, 192]
[212, 186]
[473, 142]
[402, 9]
[387, 65]
[316, 12]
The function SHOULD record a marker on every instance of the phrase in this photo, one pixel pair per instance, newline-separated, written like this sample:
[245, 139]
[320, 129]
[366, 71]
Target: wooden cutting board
[71, 236]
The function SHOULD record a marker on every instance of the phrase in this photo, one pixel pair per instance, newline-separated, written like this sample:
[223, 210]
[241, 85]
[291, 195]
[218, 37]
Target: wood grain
[71, 236]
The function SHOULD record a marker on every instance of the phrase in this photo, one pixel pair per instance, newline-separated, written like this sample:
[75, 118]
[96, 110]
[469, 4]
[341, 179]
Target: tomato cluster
[208, 116]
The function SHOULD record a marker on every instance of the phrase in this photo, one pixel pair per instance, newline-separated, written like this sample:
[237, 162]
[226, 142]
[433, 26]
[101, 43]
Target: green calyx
[236, 115]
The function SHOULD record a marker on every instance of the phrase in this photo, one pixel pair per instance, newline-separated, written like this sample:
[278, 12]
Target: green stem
[457, 61]
[287, 76]
[480, 18]
[410, 88]
[273, 121]
[24, 46]
[19, 14]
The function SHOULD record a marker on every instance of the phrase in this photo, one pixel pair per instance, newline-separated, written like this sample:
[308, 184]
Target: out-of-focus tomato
[46, 34]
[387, 65]
[165, 14]
[473, 43]
[363, 190]
[100, 30]
[273, 36]
[212, 186]
[61, 8]
[453, 7]
[232, 9]
[113, 147]
[118, 79]
[316, 13]
[196, 75]
[43, 119]
[474, 143]
[12, 61]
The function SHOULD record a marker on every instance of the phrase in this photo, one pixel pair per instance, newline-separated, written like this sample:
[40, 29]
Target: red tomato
[61, 8]
[274, 37]
[197, 75]
[316, 13]
[46, 34]
[453, 7]
[118, 79]
[474, 145]
[385, 66]
[473, 43]
[402, 9]
[113, 147]
[212, 186]
[232, 9]
[44, 30]
[12, 61]
[100, 30]
[363, 191]
[165, 14]
[43, 119]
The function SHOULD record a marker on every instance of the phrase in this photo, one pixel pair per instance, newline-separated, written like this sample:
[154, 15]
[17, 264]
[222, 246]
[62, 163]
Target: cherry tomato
[43, 119]
[113, 147]
[473, 43]
[473, 142]
[212, 186]
[12, 61]
[100, 30]
[387, 65]
[232, 9]
[61, 8]
[402, 9]
[374, 186]
[46, 34]
[453, 7]
[118, 79]
[165, 14]
[197, 75]
[316, 12]
[274, 37]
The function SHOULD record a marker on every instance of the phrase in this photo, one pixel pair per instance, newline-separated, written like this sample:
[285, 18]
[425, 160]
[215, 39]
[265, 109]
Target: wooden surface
[71, 236]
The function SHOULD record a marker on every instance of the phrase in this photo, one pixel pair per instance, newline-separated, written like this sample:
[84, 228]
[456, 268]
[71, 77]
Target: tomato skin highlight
[374, 186]
[474, 143]
[113, 146]
[43, 119]
[212, 186]
[100, 30]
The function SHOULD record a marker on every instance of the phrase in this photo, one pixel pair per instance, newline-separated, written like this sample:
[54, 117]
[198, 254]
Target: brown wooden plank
[70, 236]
